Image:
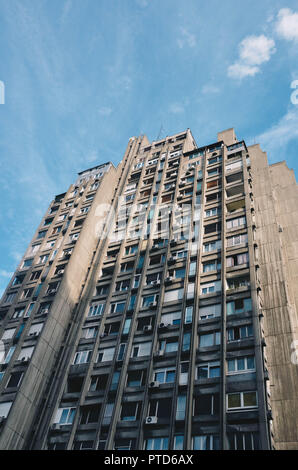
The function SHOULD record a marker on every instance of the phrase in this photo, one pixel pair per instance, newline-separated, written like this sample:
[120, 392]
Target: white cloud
[186, 39]
[253, 51]
[239, 70]
[176, 108]
[4, 273]
[210, 89]
[287, 24]
[275, 139]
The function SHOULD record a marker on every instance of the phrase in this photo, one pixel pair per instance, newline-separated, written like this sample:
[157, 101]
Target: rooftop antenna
[160, 132]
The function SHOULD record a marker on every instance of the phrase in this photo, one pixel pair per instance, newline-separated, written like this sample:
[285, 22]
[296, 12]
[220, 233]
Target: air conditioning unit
[61, 271]
[163, 325]
[56, 427]
[44, 311]
[151, 420]
[155, 283]
[33, 334]
[24, 359]
[147, 328]
[103, 335]
[154, 384]
[168, 279]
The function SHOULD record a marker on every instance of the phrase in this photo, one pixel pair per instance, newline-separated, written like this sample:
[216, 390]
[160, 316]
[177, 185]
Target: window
[126, 326]
[106, 355]
[168, 346]
[117, 307]
[35, 329]
[135, 378]
[35, 275]
[109, 408]
[122, 285]
[188, 314]
[183, 376]
[178, 442]
[206, 442]
[149, 299]
[237, 222]
[8, 334]
[211, 266]
[95, 310]
[243, 441]
[25, 354]
[166, 375]
[121, 351]
[82, 357]
[240, 332]
[181, 407]
[130, 250]
[90, 333]
[65, 415]
[43, 259]
[27, 263]
[206, 404]
[237, 260]
[102, 290]
[41, 234]
[73, 237]
[125, 267]
[241, 364]
[213, 184]
[18, 279]
[157, 443]
[173, 318]
[173, 295]
[19, 312]
[90, 414]
[15, 379]
[141, 349]
[239, 306]
[237, 240]
[238, 282]
[98, 383]
[8, 355]
[209, 370]
[130, 411]
[34, 249]
[212, 246]
[241, 400]
[211, 287]
[211, 212]
[5, 408]
[210, 311]
[210, 339]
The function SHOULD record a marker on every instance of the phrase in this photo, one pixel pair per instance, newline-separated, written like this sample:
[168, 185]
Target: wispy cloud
[176, 108]
[275, 139]
[287, 24]
[253, 51]
[210, 89]
[186, 38]
[6, 274]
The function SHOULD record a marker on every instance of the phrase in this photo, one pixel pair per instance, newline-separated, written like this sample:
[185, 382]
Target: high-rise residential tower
[156, 306]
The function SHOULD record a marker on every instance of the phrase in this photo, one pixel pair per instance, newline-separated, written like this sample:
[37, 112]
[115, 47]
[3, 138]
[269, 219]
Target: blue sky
[83, 76]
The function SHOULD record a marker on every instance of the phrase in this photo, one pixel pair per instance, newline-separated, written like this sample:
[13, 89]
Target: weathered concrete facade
[155, 336]
[276, 208]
